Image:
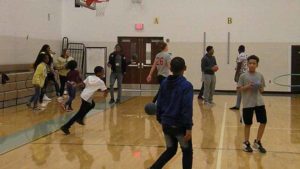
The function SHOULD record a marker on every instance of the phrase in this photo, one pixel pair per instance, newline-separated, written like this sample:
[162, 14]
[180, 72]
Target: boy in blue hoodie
[174, 113]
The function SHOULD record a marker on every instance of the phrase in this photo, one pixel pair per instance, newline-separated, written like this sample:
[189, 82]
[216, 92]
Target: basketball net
[100, 7]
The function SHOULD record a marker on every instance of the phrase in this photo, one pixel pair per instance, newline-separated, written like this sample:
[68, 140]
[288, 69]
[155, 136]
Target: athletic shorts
[260, 112]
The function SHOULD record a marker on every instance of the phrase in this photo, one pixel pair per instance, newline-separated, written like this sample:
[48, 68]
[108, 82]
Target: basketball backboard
[86, 3]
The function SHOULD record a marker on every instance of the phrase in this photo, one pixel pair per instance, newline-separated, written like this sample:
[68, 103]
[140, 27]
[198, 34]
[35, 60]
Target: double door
[295, 77]
[141, 52]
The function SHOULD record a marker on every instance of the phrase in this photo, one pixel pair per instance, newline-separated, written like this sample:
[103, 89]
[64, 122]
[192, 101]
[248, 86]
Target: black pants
[173, 136]
[63, 80]
[50, 77]
[160, 79]
[201, 91]
[85, 107]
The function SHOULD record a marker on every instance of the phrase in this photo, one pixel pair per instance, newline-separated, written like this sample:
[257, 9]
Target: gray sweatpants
[209, 87]
[113, 78]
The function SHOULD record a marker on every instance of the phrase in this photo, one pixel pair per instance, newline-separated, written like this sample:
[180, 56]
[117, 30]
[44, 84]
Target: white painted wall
[25, 28]
[267, 28]
[186, 20]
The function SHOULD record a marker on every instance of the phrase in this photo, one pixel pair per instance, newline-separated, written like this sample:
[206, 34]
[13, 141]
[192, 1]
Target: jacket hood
[174, 80]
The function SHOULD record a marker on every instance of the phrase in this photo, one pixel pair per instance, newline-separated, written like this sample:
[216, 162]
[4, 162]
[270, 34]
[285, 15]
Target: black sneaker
[247, 147]
[65, 130]
[234, 108]
[118, 101]
[111, 101]
[29, 105]
[258, 146]
[81, 122]
[200, 98]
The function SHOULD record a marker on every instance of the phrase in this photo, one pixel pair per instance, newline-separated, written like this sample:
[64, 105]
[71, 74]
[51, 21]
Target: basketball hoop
[100, 7]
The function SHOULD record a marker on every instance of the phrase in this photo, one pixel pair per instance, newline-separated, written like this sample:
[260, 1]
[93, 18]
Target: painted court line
[220, 149]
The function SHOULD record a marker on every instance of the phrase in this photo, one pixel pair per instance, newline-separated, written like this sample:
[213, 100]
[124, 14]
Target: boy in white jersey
[162, 63]
[92, 84]
[252, 84]
[241, 67]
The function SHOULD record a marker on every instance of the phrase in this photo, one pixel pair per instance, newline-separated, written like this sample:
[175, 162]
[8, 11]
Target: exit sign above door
[139, 26]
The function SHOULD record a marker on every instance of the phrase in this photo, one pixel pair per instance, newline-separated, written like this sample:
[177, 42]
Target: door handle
[133, 65]
[147, 65]
[142, 65]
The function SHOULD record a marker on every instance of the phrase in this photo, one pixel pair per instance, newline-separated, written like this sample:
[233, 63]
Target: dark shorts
[260, 112]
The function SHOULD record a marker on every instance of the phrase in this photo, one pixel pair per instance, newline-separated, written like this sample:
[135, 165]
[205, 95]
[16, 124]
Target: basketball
[150, 108]
[256, 85]
[215, 68]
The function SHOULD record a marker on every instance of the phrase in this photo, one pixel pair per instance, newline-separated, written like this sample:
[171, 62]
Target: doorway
[295, 80]
[141, 51]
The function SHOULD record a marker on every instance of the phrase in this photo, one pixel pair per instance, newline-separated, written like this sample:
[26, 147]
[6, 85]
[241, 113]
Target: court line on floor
[220, 147]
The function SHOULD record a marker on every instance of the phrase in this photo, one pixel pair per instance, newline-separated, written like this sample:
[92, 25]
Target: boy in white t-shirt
[92, 84]
[241, 67]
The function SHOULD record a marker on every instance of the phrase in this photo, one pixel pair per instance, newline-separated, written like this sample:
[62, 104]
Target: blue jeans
[113, 78]
[35, 97]
[50, 77]
[173, 136]
[72, 93]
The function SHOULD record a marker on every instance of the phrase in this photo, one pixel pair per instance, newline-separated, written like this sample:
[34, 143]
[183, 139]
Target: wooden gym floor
[124, 137]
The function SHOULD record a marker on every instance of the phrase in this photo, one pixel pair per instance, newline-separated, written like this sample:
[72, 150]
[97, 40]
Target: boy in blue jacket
[174, 113]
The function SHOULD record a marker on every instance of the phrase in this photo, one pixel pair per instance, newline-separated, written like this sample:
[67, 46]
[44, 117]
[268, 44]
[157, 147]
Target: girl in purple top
[73, 80]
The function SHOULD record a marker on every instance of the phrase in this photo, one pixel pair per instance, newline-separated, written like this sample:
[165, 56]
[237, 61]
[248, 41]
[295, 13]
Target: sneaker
[43, 104]
[258, 146]
[207, 103]
[118, 101]
[65, 130]
[111, 101]
[46, 98]
[247, 147]
[234, 108]
[29, 105]
[60, 99]
[62, 105]
[81, 122]
[36, 108]
[200, 98]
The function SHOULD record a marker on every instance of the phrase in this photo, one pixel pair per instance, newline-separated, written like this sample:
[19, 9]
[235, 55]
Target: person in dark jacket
[117, 63]
[174, 113]
[209, 67]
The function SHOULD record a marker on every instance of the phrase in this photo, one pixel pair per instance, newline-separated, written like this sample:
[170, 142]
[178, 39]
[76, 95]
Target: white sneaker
[65, 92]
[60, 99]
[43, 104]
[46, 98]
[208, 104]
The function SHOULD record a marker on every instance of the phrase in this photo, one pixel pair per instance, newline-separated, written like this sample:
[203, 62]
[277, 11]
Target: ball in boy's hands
[256, 85]
[215, 68]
